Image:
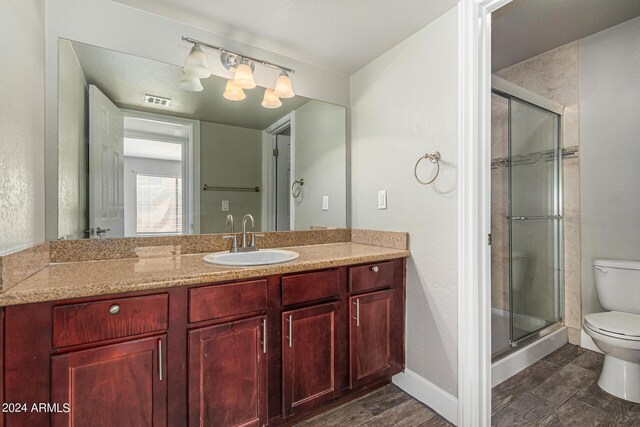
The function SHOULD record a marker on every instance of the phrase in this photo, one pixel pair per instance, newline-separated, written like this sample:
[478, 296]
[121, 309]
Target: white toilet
[617, 332]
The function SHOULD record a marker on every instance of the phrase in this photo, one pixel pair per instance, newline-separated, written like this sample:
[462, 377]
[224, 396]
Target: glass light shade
[190, 83]
[233, 92]
[244, 76]
[197, 63]
[270, 100]
[283, 86]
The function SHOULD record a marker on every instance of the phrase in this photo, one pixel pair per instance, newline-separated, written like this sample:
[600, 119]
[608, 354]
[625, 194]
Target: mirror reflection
[141, 155]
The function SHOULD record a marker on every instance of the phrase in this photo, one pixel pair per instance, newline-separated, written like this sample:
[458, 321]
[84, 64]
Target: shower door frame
[474, 219]
[511, 91]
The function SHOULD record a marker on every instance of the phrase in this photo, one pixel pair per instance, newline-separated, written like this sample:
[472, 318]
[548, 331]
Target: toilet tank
[618, 285]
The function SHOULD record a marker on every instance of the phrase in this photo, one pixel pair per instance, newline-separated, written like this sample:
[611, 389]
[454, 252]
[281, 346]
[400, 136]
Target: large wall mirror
[140, 156]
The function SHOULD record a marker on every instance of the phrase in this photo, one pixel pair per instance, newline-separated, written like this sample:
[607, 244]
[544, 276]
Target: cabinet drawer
[214, 302]
[372, 276]
[310, 287]
[83, 323]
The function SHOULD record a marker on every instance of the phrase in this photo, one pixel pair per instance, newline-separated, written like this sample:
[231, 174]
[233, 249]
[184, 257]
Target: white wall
[150, 36]
[320, 158]
[609, 150]
[72, 146]
[136, 165]
[405, 104]
[21, 124]
[230, 156]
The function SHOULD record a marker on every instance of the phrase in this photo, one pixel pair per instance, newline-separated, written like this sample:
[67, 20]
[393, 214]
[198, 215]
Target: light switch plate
[325, 203]
[225, 205]
[382, 199]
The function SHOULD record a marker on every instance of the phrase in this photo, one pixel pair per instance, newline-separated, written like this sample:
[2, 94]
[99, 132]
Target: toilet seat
[615, 324]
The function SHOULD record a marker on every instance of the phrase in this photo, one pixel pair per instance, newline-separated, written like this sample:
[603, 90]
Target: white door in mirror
[106, 166]
[246, 259]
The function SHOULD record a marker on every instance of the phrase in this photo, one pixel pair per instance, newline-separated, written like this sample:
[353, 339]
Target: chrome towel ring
[433, 157]
[299, 183]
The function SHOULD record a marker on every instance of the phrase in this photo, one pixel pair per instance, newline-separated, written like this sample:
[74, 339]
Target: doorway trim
[474, 220]
[269, 171]
[190, 165]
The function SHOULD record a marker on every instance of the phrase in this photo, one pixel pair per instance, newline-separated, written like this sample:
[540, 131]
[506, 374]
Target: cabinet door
[370, 336]
[228, 374]
[308, 357]
[116, 385]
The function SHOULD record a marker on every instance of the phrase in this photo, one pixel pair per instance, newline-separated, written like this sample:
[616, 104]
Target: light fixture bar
[252, 59]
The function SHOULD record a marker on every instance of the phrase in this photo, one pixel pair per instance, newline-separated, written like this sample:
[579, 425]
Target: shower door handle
[524, 218]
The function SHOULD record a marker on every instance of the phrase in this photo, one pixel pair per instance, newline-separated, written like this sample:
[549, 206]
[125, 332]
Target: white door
[106, 167]
[283, 182]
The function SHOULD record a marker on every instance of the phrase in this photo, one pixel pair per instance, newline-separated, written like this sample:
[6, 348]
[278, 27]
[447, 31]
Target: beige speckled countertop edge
[22, 293]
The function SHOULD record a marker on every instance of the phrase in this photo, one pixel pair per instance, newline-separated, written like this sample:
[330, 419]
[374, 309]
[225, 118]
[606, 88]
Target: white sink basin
[245, 259]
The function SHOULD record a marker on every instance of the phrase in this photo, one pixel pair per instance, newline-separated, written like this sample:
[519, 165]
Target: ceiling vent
[157, 101]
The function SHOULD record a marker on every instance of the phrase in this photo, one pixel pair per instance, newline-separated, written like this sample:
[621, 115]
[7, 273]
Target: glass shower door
[535, 219]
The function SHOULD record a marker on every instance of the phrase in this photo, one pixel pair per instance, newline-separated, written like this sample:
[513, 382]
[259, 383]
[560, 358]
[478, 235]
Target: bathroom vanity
[260, 349]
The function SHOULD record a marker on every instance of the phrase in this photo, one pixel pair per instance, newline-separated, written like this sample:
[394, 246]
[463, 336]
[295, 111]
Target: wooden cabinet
[309, 287]
[115, 385]
[228, 374]
[220, 301]
[370, 336]
[308, 357]
[257, 352]
[366, 278]
[75, 324]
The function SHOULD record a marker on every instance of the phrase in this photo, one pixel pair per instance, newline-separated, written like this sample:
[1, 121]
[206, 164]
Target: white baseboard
[425, 391]
[587, 342]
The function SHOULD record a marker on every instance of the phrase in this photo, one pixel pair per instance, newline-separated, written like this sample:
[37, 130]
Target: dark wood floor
[387, 406]
[559, 390]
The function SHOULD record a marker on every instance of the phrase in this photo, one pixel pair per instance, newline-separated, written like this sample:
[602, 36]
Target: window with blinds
[158, 204]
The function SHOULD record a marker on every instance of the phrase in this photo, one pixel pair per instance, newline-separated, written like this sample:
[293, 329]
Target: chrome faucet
[244, 228]
[251, 247]
[229, 223]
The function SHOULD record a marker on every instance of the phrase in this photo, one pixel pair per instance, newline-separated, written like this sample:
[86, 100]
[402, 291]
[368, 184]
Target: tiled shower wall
[554, 75]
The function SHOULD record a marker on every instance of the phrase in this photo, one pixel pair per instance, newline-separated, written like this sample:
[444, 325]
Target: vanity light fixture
[190, 83]
[283, 86]
[233, 93]
[242, 67]
[243, 78]
[270, 100]
[197, 63]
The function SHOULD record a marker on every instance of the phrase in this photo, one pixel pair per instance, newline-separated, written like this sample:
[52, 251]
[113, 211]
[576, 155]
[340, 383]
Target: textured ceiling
[526, 28]
[341, 35]
[125, 79]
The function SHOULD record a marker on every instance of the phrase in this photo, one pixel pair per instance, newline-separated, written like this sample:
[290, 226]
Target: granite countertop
[88, 278]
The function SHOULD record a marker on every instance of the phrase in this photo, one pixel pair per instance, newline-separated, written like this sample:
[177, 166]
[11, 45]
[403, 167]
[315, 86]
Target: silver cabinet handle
[160, 359]
[357, 303]
[264, 336]
[290, 330]
[114, 309]
[375, 268]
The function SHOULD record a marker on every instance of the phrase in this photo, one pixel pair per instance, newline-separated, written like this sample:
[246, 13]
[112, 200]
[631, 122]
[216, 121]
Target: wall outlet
[325, 203]
[225, 205]
[382, 199]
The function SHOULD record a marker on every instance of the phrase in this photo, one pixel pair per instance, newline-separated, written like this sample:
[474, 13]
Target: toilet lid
[615, 322]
